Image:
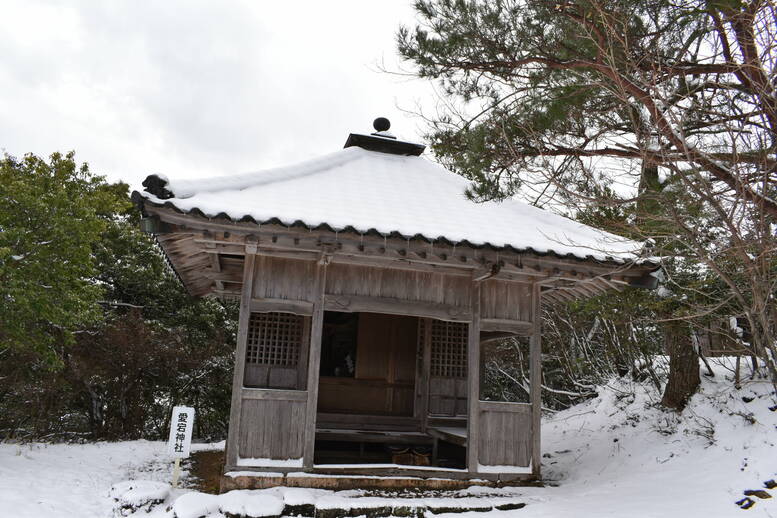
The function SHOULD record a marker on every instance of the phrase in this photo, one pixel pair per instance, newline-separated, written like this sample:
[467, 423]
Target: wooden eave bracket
[325, 258]
[492, 270]
[252, 245]
[154, 225]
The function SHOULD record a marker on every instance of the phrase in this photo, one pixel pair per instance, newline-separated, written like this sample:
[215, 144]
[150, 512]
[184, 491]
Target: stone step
[410, 510]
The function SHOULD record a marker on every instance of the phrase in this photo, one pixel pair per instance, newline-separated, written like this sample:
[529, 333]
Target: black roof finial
[381, 124]
[383, 141]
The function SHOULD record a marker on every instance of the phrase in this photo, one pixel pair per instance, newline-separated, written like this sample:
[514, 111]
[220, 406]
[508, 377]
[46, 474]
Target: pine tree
[664, 112]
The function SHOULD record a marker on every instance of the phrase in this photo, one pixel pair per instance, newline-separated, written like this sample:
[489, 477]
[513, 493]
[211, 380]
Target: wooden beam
[506, 406]
[227, 294]
[314, 363]
[298, 307]
[490, 336]
[473, 381]
[562, 294]
[233, 436]
[215, 266]
[535, 375]
[358, 303]
[383, 423]
[519, 327]
[312, 249]
[221, 277]
[274, 394]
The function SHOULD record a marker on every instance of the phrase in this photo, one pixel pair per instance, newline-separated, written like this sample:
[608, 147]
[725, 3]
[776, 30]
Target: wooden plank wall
[385, 370]
[387, 345]
[447, 396]
[505, 434]
[271, 376]
[415, 286]
[287, 279]
[505, 300]
[278, 279]
[272, 429]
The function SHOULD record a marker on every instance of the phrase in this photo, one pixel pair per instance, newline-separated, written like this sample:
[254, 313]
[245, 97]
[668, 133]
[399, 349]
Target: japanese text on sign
[181, 425]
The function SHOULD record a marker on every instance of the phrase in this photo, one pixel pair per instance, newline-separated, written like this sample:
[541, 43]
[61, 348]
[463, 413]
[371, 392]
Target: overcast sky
[195, 88]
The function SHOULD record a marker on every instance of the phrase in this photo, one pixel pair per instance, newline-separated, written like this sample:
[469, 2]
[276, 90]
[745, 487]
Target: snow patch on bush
[139, 492]
[134, 495]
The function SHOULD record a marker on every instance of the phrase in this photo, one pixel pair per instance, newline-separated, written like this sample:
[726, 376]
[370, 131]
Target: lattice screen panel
[449, 348]
[274, 339]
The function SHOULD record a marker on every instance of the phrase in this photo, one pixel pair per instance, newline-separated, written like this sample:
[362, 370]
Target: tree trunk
[684, 377]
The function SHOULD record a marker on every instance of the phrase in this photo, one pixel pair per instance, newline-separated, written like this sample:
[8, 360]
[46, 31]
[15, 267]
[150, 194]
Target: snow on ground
[74, 480]
[621, 455]
[618, 455]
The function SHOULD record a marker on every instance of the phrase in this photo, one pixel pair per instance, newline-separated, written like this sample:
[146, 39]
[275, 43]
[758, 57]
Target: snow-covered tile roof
[368, 191]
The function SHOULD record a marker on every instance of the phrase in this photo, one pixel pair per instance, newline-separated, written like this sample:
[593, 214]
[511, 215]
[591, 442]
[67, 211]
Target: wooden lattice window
[274, 339]
[449, 348]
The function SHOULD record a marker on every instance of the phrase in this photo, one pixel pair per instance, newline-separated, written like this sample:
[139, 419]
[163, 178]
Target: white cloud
[198, 88]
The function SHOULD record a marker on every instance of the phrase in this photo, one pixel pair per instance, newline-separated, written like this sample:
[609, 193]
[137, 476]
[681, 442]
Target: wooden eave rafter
[207, 255]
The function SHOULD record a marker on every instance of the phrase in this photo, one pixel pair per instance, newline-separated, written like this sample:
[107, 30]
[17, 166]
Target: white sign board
[181, 425]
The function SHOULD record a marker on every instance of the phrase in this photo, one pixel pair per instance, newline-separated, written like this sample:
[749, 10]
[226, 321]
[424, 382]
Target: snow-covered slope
[618, 455]
[390, 194]
[622, 455]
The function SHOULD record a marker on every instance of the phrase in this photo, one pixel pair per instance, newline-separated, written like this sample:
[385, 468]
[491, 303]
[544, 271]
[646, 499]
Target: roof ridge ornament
[157, 184]
[382, 125]
[383, 141]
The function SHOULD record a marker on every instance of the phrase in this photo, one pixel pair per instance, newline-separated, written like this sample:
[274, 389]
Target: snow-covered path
[618, 455]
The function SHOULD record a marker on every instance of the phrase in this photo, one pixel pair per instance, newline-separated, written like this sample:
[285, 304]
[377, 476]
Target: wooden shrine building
[370, 291]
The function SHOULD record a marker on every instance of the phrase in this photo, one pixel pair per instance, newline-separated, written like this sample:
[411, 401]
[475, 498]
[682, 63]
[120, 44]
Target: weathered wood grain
[473, 380]
[395, 306]
[397, 284]
[298, 307]
[289, 279]
[505, 434]
[237, 380]
[270, 428]
[314, 363]
[425, 344]
[535, 375]
[505, 301]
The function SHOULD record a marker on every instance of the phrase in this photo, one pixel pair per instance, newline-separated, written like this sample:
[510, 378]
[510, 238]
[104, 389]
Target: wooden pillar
[233, 435]
[535, 375]
[314, 363]
[302, 367]
[473, 380]
[426, 370]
